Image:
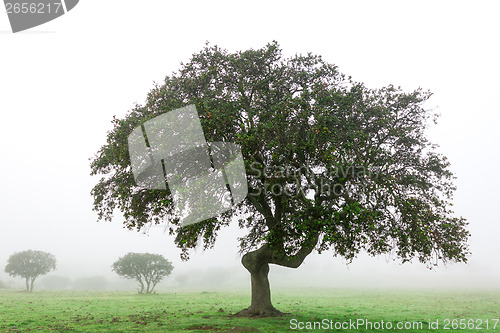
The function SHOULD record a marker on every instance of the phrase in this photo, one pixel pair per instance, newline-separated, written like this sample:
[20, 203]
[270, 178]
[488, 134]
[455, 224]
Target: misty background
[61, 83]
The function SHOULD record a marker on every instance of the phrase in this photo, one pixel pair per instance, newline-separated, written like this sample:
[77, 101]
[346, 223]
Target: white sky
[62, 82]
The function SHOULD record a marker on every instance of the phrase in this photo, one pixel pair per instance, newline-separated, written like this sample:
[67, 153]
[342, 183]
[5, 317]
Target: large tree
[330, 164]
[30, 265]
[147, 268]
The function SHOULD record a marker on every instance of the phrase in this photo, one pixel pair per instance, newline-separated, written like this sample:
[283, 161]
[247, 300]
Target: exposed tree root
[259, 313]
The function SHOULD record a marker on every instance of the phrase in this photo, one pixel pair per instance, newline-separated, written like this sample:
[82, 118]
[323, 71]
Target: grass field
[69, 311]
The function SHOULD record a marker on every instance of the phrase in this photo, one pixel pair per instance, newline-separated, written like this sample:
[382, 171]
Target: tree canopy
[330, 164]
[147, 268]
[30, 265]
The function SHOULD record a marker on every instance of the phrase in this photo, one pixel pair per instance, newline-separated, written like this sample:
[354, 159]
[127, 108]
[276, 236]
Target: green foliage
[148, 269]
[330, 163]
[30, 265]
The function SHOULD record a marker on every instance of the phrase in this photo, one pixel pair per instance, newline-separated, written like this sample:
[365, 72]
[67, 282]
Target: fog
[61, 84]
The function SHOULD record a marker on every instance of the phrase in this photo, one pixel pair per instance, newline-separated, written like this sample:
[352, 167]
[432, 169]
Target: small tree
[147, 268]
[30, 265]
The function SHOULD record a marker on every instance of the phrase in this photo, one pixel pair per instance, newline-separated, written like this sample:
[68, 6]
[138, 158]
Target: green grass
[69, 311]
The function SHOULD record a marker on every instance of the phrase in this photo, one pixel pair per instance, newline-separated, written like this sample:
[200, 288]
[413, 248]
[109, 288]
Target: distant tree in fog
[30, 265]
[148, 269]
[55, 282]
[182, 279]
[97, 282]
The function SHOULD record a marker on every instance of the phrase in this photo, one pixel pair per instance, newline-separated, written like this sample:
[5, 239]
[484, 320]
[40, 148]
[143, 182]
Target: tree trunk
[261, 305]
[32, 283]
[153, 285]
[261, 292]
[27, 284]
[142, 287]
[257, 263]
